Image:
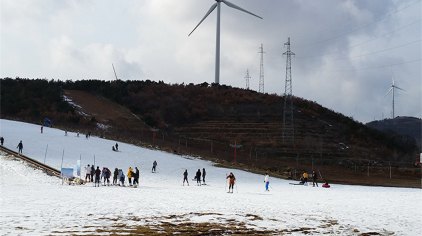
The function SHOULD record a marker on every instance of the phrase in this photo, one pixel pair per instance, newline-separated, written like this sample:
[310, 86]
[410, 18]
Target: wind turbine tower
[247, 78]
[288, 122]
[261, 69]
[392, 88]
[217, 38]
[114, 71]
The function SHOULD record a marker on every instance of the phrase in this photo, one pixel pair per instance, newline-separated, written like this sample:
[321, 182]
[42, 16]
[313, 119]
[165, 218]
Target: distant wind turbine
[217, 47]
[392, 88]
[114, 71]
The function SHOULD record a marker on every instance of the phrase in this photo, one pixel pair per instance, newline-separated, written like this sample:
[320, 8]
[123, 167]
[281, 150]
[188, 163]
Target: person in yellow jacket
[130, 175]
[305, 177]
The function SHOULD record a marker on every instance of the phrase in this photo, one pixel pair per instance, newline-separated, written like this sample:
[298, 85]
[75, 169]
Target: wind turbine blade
[388, 92]
[238, 8]
[209, 12]
[399, 88]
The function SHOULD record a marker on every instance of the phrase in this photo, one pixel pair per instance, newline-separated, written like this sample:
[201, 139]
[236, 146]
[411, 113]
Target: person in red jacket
[232, 180]
[326, 185]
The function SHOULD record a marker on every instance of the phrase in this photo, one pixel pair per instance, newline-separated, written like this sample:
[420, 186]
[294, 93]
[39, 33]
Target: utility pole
[261, 69]
[247, 78]
[288, 122]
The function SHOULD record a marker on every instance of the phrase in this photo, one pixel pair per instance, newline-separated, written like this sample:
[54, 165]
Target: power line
[379, 51]
[379, 66]
[364, 42]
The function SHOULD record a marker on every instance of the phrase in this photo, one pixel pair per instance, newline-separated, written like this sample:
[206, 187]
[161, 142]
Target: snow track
[33, 203]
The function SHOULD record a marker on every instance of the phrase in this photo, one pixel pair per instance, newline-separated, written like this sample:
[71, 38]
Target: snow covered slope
[35, 204]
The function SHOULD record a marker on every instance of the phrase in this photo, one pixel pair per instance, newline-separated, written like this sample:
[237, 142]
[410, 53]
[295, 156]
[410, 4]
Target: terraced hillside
[236, 127]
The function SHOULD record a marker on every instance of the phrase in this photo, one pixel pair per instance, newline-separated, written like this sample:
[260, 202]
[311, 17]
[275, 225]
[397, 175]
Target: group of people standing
[97, 176]
[198, 176]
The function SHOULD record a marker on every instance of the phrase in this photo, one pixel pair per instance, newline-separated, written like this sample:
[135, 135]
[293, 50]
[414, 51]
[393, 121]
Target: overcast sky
[347, 52]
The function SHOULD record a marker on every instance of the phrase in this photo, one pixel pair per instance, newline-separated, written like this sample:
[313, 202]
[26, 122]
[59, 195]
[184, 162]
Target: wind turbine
[114, 71]
[392, 89]
[217, 46]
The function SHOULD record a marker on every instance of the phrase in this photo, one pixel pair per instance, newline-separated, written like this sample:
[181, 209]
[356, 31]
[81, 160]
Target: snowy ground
[32, 203]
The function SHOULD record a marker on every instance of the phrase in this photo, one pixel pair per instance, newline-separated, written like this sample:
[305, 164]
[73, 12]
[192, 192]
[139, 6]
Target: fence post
[368, 169]
[45, 156]
[178, 147]
[256, 155]
[312, 162]
[389, 163]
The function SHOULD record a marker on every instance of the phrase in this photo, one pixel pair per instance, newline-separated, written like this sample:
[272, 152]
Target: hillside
[401, 126]
[207, 120]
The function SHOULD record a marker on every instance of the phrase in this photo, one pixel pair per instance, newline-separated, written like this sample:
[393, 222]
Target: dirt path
[105, 111]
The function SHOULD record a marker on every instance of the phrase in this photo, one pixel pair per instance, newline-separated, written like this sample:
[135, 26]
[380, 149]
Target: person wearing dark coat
[154, 167]
[185, 177]
[314, 179]
[198, 177]
[115, 174]
[97, 177]
[92, 173]
[20, 146]
[1, 140]
[136, 177]
[203, 175]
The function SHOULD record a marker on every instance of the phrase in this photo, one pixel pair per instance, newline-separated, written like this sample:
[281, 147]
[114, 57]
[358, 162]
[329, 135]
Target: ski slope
[32, 203]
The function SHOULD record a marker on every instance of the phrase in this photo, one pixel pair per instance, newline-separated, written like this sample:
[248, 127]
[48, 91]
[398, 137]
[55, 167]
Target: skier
[154, 166]
[88, 173]
[42, 128]
[232, 180]
[97, 177]
[267, 181]
[20, 146]
[92, 173]
[314, 179]
[103, 177]
[185, 177]
[121, 177]
[107, 176]
[117, 147]
[115, 174]
[1, 140]
[129, 175]
[198, 177]
[203, 175]
[136, 177]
